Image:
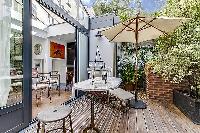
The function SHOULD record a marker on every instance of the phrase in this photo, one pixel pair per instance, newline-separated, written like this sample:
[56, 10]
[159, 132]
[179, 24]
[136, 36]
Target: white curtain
[5, 32]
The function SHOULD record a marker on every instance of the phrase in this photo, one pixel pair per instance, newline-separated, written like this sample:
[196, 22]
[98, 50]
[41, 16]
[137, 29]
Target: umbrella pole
[138, 104]
[136, 61]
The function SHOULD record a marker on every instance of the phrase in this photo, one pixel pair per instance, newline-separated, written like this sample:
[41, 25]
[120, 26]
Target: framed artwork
[57, 50]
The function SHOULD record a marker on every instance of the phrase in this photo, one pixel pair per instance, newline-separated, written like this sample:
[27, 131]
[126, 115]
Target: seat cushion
[122, 94]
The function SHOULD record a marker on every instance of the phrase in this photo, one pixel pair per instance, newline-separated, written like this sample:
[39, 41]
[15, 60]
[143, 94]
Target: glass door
[14, 103]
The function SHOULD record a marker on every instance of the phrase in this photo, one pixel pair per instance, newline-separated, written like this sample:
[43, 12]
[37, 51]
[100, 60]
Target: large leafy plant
[126, 63]
[177, 55]
[127, 59]
[127, 73]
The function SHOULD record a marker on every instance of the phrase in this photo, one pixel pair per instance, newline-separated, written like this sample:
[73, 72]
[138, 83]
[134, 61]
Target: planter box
[189, 106]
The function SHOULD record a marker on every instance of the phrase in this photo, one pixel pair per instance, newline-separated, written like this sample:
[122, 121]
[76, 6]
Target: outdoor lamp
[99, 34]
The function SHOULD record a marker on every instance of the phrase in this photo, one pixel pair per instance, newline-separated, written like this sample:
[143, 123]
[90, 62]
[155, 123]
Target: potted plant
[188, 99]
[127, 75]
[181, 65]
[179, 62]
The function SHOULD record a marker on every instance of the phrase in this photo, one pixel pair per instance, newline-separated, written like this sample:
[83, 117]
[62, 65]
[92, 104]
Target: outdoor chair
[44, 79]
[54, 80]
[51, 79]
[16, 85]
[69, 78]
[69, 81]
[38, 87]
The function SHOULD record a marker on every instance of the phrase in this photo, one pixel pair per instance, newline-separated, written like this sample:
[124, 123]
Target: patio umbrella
[140, 29]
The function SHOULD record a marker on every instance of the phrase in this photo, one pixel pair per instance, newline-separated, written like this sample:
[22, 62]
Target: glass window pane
[10, 52]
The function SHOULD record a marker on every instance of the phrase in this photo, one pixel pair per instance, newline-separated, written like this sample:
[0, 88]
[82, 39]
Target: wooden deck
[157, 118]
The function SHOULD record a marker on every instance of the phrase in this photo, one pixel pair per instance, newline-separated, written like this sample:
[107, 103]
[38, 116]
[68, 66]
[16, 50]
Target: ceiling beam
[56, 9]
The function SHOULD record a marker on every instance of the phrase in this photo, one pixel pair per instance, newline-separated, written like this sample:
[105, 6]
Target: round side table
[54, 115]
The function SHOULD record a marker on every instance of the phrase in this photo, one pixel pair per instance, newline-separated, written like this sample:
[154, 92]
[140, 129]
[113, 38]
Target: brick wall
[159, 89]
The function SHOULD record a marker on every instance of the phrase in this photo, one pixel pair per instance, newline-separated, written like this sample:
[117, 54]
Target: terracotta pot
[129, 86]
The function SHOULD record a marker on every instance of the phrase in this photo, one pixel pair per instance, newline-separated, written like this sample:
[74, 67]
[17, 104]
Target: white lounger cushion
[122, 94]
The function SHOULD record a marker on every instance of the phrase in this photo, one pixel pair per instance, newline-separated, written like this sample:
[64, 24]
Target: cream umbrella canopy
[140, 29]
[146, 28]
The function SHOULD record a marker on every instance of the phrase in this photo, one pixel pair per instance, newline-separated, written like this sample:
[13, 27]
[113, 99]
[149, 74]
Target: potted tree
[188, 99]
[177, 59]
[127, 75]
[181, 65]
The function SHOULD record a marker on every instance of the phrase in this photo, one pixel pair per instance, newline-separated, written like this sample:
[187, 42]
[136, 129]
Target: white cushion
[121, 94]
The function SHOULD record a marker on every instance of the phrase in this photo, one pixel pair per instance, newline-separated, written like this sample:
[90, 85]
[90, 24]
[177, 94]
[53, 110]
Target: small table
[112, 82]
[54, 115]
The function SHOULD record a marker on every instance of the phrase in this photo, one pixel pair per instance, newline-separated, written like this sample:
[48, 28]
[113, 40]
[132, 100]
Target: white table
[98, 85]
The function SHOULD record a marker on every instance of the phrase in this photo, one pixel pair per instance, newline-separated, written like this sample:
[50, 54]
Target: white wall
[60, 29]
[42, 15]
[58, 64]
[83, 57]
[105, 47]
[39, 59]
[76, 12]
[50, 64]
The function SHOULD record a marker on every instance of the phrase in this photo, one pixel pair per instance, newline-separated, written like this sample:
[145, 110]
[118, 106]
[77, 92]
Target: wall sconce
[99, 34]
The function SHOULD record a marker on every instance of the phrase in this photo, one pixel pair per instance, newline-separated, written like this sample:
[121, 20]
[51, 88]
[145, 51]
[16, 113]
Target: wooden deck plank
[132, 121]
[171, 121]
[164, 126]
[114, 127]
[107, 121]
[117, 129]
[150, 120]
[145, 120]
[154, 128]
[158, 121]
[155, 119]
[122, 127]
[81, 120]
[100, 122]
[185, 123]
[140, 122]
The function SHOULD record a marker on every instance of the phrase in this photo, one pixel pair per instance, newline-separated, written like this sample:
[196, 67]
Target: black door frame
[18, 116]
[27, 61]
